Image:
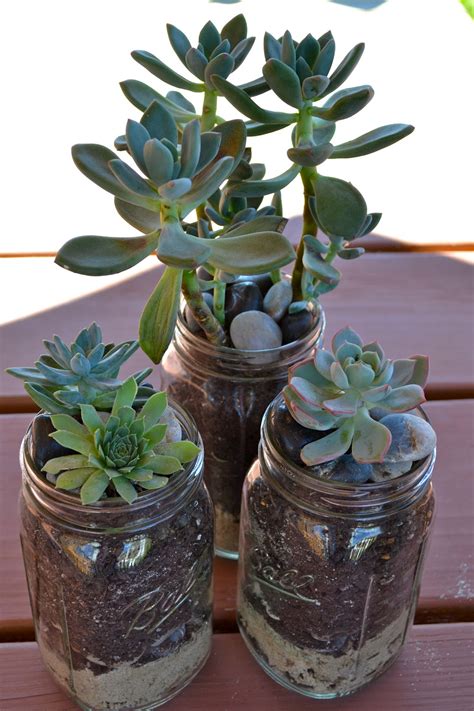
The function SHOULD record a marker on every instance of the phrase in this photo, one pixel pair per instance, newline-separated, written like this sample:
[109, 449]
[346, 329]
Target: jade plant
[345, 391]
[85, 372]
[196, 196]
[120, 453]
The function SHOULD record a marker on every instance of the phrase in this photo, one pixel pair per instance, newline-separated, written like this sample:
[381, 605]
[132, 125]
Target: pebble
[254, 331]
[412, 438]
[294, 326]
[290, 436]
[278, 298]
[344, 469]
[241, 296]
[263, 281]
[45, 447]
[173, 432]
[193, 325]
[390, 470]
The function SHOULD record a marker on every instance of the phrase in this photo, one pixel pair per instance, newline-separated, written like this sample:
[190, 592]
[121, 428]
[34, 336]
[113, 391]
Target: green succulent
[84, 372]
[337, 391]
[193, 160]
[119, 453]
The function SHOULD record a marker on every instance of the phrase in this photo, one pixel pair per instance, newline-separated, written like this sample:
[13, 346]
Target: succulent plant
[338, 391]
[84, 372]
[192, 160]
[118, 453]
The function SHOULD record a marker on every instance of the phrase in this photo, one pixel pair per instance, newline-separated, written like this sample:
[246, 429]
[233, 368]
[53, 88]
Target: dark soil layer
[99, 600]
[329, 584]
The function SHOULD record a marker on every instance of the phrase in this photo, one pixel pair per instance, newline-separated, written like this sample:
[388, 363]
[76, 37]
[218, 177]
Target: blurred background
[62, 64]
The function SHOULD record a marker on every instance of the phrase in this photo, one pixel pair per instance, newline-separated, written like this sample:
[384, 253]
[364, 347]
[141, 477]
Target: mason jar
[121, 593]
[329, 573]
[227, 390]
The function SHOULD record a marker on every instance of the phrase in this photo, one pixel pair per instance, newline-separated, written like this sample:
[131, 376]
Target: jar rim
[160, 500]
[349, 496]
[209, 348]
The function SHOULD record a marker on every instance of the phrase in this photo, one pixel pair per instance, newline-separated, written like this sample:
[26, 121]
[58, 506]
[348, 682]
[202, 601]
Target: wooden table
[411, 302]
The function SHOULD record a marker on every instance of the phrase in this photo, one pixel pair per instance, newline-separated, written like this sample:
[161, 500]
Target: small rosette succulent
[338, 391]
[117, 454]
[84, 372]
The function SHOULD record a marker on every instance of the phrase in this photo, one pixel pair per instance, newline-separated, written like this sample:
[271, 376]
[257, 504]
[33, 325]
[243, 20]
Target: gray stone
[390, 470]
[173, 432]
[294, 326]
[347, 470]
[254, 331]
[192, 324]
[412, 438]
[241, 296]
[278, 298]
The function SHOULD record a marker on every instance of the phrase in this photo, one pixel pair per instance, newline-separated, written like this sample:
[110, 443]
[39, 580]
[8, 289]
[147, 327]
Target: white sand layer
[317, 672]
[128, 687]
[226, 530]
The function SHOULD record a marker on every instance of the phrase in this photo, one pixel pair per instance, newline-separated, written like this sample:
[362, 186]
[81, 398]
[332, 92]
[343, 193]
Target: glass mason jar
[121, 593]
[329, 573]
[227, 390]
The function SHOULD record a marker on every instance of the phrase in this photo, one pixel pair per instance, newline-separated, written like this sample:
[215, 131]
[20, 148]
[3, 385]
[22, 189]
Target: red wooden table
[412, 300]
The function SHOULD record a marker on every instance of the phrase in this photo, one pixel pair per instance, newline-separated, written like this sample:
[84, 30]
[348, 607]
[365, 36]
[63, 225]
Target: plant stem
[304, 134]
[219, 302]
[209, 107]
[210, 325]
[275, 275]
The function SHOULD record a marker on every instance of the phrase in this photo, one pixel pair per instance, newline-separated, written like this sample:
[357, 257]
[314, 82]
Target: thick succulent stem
[304, 133]
[215, 334]
[209, 107]
[219, 302]
[275, 275]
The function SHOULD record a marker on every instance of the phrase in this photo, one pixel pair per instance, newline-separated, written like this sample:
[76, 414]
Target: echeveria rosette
[86, 371]
[175, 178]
[337, 391]
[217, 53]
[123, 451]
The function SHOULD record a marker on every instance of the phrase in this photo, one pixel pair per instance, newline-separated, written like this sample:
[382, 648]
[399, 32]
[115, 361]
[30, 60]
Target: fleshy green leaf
[159, 161]
[284, 82]
[372, 141]
[178, 41]
[163, 72]
[288, 52]
[340, 207]
[94, 487]
[160, 123]
[310, 155]
[95, 255]
[136, 137]
[370, 223]
[251, 254]
[257, 188]
[70, 461]
[125, 396]
[183, 451]
[175, 189]
[69, 424]
[329, 447]
[344, 405]
[306, 415]
[157, 482]
[91, 419]
[207, 182]
[325, 58]
[345, 68]
[243, 103]
[220, 66]
[371, 439]
[125, 489]
[345, 103]
[314, 263]
[141, 96]
[267, 223]
[153, 409]
[74, 478]
[345, 335]
[164, 464]
[72, 441]
[360, 375]
[235, 30]
[190, 149]
[314, 86]
[209, 37]
[139, 217]
[178, 249]
[131, 179]
[156, 433]
[404, 398]
[158, 320]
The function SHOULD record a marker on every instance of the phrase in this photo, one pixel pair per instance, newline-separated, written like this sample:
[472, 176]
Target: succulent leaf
[158, 320]
[163, 72]
[284, 82]
[94, 255]
[346, 385]
[372, 141]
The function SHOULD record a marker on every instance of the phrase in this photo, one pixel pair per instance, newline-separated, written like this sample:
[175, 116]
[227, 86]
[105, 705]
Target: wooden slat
[411, 303]
[434, 673]
[375, 242]
[447, 591]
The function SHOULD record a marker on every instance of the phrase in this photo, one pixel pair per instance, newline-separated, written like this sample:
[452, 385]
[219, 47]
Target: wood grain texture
[411, 303]
[447, 591]
[433, 673]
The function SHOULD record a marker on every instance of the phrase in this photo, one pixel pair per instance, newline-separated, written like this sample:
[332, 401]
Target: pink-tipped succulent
[337, 391]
